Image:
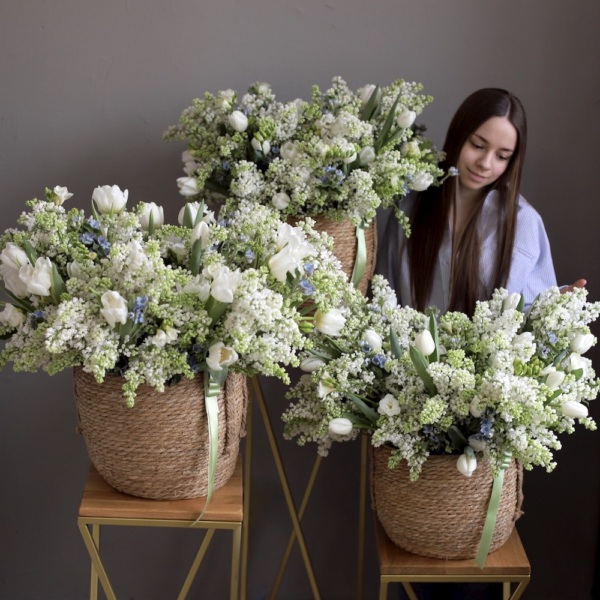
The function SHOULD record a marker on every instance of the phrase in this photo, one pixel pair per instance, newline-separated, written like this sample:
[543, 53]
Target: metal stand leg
[285, 488]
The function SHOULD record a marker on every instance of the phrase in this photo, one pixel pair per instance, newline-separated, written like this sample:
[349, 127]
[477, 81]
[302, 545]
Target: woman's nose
[485, 160]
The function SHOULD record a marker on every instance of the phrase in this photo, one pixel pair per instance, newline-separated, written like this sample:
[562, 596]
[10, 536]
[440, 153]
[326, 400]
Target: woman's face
[486, 154]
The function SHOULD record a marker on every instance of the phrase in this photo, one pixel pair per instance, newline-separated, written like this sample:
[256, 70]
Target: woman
[475, 232]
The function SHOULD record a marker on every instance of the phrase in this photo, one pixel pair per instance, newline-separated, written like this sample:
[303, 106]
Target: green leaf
[395, 343]
[370, 108]
[151, 227]
[421, 364]
[383, 138]
[30, 251]
[57, 285]
[196, 257]
[433, 329]
[459, 441]
[362, 406]
[556, 362]
[27, 306]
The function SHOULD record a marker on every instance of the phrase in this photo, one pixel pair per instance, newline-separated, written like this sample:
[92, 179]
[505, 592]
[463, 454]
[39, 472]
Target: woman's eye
[476, 145]
[503, 157]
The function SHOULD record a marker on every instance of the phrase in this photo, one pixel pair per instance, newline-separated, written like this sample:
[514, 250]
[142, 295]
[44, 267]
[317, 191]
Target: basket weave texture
[159, 448]
[344, 245]
[442, 514]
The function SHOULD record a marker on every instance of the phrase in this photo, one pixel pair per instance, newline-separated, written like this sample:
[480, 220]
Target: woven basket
[344, 245]
[442, 514]
[159, 448]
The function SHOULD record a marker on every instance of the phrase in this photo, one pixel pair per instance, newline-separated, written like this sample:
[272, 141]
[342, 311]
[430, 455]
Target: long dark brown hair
[432, 208]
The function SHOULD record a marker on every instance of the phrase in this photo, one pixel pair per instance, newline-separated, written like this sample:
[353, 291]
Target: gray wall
[86, 90]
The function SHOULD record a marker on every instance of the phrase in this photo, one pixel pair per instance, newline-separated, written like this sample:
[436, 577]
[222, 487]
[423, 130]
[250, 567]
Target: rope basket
[159, 448]
[442, 514]
[344, 245]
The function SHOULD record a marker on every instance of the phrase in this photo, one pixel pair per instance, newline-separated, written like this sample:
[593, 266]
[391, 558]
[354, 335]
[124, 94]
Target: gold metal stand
[508, 565]
[296, 515]
[102, 505]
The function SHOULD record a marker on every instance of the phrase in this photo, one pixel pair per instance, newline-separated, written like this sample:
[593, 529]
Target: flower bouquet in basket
[339, 156]
[132, 303]
[487, 395]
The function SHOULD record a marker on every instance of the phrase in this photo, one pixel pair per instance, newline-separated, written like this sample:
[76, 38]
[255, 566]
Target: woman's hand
[569, 288]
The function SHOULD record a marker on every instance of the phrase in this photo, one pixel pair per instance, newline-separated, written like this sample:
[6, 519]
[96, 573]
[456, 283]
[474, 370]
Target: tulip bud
[330, 323]
[187, 186]
[406, 118]
[421, 182]
[158, 218]
[582, 342]
[366, 155]
[340, 426]
[511, 302]
[553, 377]
[424, 342]
[366, 92]
[575, 410]
[311, 364]
[238, 120]
[467, 463]
[373, 339]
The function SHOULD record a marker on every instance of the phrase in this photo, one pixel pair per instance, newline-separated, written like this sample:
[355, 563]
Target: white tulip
[61, 194]
[467, 463]
[324, 389]
[225, 98]
[12, 258]
[475, 409]
[164, 337]
[193, 208]
[575, 410]
[220, 355]
[366, 92]
[200, 286]
[259, 146]
[389, 406]
[554, 378]
[157, 213]
[350, 159]
[37, 278]
[421, 182]
[340, 426]
[373, 339]
[281, 201]
[367, 155]
[511, 302]
[582, 342]
[12, 316]
[293, 249]
[201, 232]
[238, 120]
[576, 361]
[311, 364]
[224, 282]
[330, 323]
[114, 308]
[109, 199]
[424, 342]
[406, 118]
[188, 186]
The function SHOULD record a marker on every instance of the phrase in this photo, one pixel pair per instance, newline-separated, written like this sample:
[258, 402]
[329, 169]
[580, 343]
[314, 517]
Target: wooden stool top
[101, 500]
[509, 559]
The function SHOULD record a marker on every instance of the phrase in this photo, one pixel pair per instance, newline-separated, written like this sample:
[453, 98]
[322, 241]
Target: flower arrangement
[343, 154]
[121, 292]
[502, 383]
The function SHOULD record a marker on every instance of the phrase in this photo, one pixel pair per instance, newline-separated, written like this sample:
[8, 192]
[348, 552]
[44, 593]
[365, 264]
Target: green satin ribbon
[492, 513]
[212, 389]
[360, 264]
